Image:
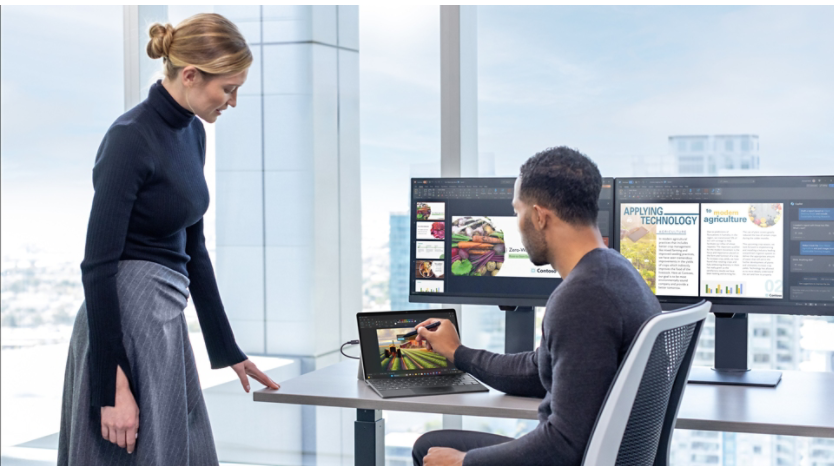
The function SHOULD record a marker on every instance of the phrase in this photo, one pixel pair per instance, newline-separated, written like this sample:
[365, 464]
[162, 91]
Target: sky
[613, 82]
[61, 86]
[617, 81]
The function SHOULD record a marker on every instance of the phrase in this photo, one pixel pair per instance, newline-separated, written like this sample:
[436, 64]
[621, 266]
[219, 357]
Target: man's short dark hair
[564, 181]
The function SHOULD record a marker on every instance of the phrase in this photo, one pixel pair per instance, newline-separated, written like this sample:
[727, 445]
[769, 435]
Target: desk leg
[369, 438]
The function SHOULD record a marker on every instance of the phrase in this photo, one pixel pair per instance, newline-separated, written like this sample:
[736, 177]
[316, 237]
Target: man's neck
[570, 245]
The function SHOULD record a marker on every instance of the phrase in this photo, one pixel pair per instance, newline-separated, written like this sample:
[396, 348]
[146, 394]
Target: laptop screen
[388, 350]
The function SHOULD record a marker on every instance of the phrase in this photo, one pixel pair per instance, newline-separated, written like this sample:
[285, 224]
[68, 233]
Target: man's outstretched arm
[515, 374]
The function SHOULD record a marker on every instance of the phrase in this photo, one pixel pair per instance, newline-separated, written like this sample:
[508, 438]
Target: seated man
[589, 323]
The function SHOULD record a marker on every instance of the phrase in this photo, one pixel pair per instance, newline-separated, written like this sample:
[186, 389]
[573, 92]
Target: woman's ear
[190, 75]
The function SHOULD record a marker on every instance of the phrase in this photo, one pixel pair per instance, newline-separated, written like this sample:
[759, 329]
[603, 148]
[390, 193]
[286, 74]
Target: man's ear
[540, 216]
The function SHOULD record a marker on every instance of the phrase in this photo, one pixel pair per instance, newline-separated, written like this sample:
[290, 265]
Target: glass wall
[654, 91]
[62, 86]
[399, 70]
[630, 87]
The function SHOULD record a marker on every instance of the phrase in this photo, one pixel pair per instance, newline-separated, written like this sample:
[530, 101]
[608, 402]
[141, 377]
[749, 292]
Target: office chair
[635, 423]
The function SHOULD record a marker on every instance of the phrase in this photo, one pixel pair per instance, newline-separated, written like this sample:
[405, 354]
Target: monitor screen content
[466, 246]
[388, 350]
[747, 244]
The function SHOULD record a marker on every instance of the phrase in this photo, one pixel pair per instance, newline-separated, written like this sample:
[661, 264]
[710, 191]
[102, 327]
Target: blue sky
[614, 82]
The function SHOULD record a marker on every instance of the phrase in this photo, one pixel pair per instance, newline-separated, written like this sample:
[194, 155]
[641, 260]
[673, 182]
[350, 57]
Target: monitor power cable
[342, 349]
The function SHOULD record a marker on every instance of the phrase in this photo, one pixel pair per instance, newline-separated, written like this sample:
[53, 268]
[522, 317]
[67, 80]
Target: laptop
[396, 364]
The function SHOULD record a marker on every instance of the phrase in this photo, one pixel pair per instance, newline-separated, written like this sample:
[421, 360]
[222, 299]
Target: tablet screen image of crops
[477, 247]
[408, 354]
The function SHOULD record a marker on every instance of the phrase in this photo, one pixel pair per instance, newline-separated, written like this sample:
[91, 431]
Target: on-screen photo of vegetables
[477, 247]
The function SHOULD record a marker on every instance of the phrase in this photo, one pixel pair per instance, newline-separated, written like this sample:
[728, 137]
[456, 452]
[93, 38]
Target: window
[400, 137]
[399, 75]
[761, 332]
[728, 162]
[784, 358]
[52, 126]
[543, 80]
[745, 144]
[761, 358]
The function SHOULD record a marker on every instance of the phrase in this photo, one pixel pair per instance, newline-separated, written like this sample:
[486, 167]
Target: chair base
[754, 378]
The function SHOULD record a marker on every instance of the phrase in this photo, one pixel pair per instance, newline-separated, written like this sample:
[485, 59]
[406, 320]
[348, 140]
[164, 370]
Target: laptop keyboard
[423, 382]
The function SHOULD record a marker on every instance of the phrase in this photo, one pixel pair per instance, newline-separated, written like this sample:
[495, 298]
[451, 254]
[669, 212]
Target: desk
[801, 405]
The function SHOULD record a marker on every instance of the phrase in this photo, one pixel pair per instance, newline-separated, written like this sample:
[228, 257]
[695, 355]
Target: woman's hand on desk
[247, 367]
[444, 340]
[443, 456]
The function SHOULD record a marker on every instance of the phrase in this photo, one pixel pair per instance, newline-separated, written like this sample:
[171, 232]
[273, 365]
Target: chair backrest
[635, 423]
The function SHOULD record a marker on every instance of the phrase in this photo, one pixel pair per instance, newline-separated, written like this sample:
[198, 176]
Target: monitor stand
[731, 357]
[520, 329]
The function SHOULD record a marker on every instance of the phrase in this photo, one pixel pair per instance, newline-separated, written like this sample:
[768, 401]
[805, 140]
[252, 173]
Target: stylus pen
[430, 326]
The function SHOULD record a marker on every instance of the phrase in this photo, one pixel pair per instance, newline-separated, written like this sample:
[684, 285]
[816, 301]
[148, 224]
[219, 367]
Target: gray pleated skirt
[174, 426]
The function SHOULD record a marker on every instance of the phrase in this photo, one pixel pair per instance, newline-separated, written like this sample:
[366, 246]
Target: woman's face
[210, 97]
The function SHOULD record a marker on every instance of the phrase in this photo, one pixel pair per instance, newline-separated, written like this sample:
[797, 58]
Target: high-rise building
[400, 232]
[699, 155]
[714, 154]
[399, 250]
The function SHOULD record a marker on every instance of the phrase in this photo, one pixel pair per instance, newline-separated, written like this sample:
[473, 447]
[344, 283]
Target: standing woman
[131, 391]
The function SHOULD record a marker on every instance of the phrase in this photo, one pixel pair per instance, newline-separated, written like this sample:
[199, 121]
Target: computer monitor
[746, 244]
[466, 247]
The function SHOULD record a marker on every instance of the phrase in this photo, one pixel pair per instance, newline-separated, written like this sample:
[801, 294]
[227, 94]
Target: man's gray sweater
[589, 323]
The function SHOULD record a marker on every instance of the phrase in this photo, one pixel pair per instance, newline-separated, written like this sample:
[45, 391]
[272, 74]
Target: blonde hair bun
[208, 41]
[161, 38]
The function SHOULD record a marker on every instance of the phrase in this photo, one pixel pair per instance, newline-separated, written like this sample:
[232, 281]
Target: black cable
[342, 349]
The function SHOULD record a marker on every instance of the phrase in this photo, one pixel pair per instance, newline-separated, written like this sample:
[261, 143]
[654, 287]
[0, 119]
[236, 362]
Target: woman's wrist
[121, 380]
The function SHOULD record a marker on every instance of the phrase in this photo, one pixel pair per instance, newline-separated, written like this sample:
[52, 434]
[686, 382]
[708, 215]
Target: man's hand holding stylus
[444, 340]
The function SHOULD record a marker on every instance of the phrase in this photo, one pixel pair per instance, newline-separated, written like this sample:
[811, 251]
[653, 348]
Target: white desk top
[801, 405]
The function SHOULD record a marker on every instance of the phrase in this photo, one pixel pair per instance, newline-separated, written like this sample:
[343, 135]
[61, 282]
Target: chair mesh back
[645, 423]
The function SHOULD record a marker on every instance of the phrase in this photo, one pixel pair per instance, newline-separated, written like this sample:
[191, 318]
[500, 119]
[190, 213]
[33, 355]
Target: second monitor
[747, 244]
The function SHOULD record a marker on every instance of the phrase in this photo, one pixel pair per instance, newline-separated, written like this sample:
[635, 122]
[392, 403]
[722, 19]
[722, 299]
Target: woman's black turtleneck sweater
[150, 197]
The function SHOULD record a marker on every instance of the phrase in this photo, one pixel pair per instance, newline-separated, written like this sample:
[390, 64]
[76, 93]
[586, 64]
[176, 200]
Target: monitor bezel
[525, 301]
